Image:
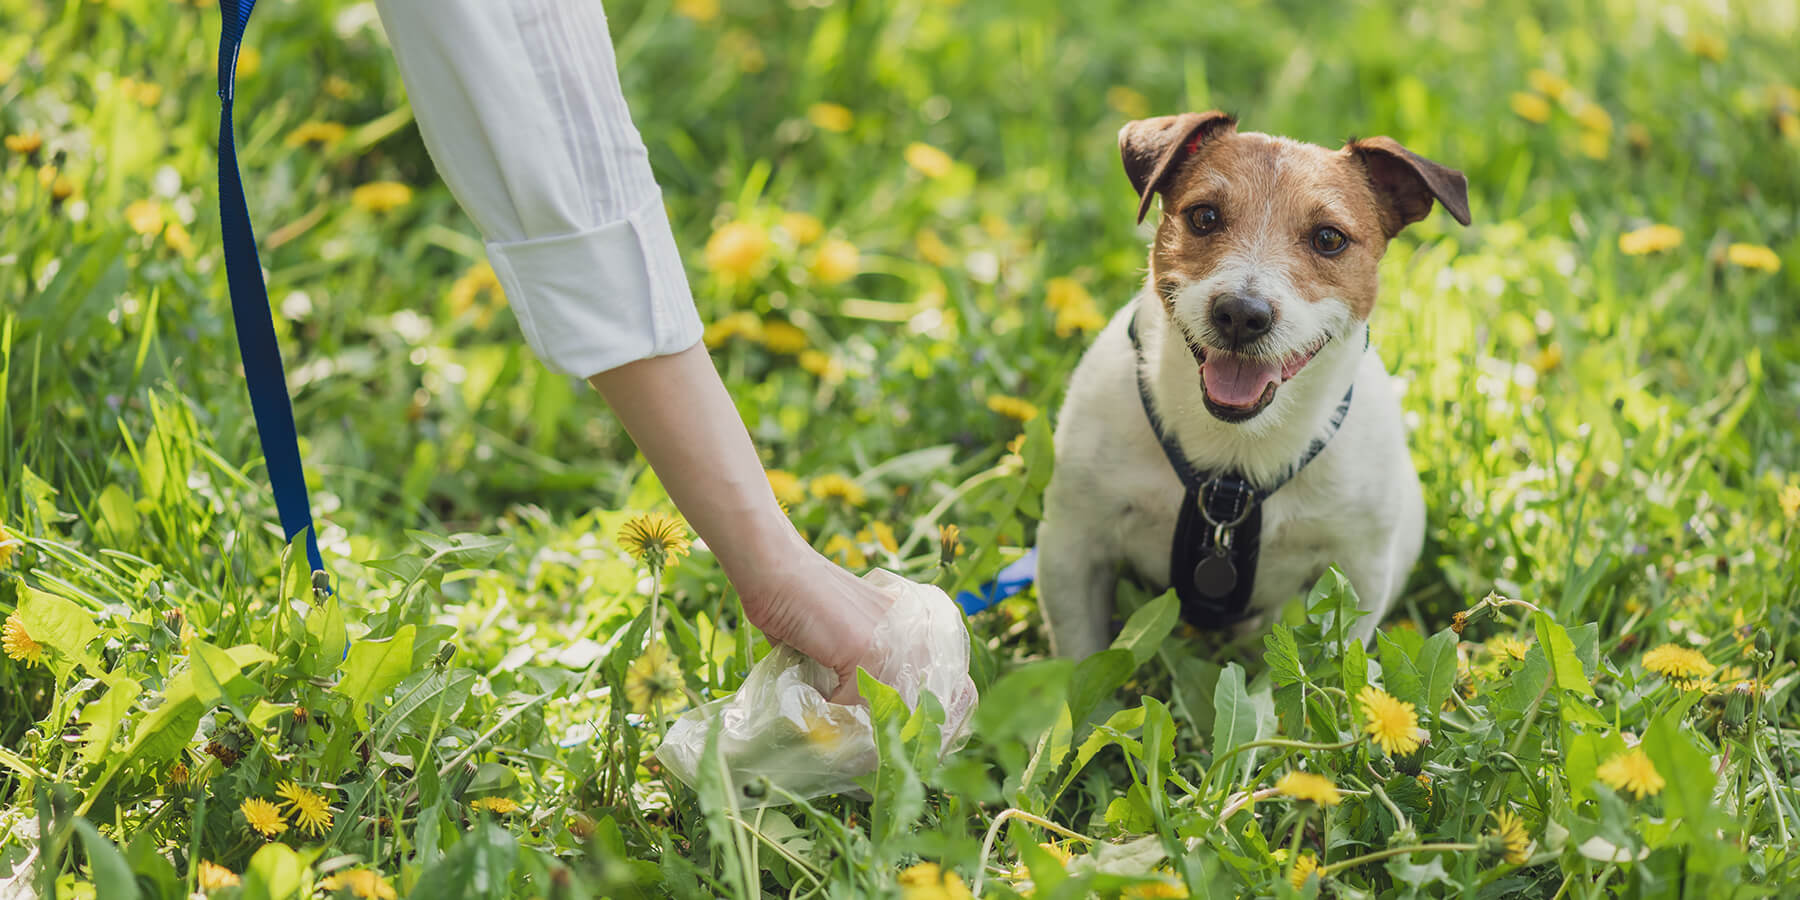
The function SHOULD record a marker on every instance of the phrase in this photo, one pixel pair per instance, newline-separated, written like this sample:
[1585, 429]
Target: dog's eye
[1329, 241]
[1203, 219]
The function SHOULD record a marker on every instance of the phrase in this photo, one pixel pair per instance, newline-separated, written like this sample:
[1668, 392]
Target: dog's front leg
[1075, 589]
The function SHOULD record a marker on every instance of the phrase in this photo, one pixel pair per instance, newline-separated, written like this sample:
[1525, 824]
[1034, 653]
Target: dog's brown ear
[1153, 148]
[1406, 182]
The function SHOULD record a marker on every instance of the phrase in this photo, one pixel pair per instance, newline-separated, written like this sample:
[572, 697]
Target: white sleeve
[520, 106]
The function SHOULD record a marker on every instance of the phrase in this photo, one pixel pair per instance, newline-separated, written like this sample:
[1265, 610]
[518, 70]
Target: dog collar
[1218, 536]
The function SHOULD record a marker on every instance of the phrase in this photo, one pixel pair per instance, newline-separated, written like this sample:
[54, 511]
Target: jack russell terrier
[1230, 433]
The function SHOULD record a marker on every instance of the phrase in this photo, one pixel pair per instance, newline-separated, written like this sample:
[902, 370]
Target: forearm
[683, 421]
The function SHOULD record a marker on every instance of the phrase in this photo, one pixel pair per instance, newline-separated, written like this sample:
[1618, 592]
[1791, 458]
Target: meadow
[904, 220]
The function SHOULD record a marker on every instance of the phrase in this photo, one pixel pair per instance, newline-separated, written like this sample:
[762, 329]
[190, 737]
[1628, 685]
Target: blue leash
[250, 309]
[1011, 580]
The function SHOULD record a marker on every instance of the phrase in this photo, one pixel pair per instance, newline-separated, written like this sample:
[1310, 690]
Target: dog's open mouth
[1237, 387]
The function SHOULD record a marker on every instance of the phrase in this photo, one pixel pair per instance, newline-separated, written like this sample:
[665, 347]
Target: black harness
[1218, 537]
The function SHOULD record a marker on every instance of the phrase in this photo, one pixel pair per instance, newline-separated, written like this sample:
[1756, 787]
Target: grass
[1605, 441]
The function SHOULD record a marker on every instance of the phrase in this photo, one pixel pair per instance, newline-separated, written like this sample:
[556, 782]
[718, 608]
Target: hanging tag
[1215, 577]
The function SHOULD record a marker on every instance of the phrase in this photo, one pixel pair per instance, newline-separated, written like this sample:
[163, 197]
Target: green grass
[1601, 435]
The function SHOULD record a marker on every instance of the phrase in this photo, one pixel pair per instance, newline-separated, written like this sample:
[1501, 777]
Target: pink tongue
[1237, 381]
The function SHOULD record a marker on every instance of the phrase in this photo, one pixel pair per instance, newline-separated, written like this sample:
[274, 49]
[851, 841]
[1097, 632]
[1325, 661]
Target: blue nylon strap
[250, 309]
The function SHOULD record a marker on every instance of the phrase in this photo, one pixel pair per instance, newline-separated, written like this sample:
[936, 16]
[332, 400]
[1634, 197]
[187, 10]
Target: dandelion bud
[949, 544]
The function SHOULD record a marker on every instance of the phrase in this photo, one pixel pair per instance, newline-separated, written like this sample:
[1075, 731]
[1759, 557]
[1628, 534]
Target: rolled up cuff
[595, 300]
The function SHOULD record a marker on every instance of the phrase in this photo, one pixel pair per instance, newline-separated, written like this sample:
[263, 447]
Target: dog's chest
[1298, 542]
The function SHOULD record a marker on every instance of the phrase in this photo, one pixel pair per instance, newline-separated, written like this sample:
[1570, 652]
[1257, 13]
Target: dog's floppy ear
[1153, 148]
[1406, 182]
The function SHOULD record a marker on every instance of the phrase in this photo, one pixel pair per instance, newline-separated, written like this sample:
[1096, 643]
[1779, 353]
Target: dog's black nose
[1241, 318]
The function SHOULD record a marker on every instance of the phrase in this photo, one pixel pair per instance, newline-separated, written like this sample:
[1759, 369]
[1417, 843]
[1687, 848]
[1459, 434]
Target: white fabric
[520, 106]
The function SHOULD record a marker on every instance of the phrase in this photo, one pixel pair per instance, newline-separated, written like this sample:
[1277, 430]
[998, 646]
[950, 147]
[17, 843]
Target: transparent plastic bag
[779, 726]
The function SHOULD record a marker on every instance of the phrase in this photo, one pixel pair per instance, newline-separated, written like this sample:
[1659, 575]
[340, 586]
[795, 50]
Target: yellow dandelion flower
[1595, 144]
[838, 487]
[1507, 646]
[739, 324]
[822, 732]
[737, 249]
[1753, 256]
[308, 808]
[1548, 359]
[949, 544]
[144, 217]
[1593, 117]
[1790, 501]
[846, 552]
[62, 187]
[262, 816]
[783, 338]
[926, 881]
[249, 61]
[9, 547]
[837, 261]
[1064, 293]
[653, 679]
[804, 228]
[1631, 771]
[701, 11]
[498, 805]
[178, 239]
[1548, 83]
[1638, 136]
[1683, 667]
[1514, 844]
[19, 644]
[214, 876]
[1310, 787]
[884, 535]
[1304, 866]
[831, 117]
[932, 248]
[1651, 239]
[654, 538]
[1156, 889]
[1079, 319]
[1393, 724]
[365, 883]
[316, 132]
[1063, 854]
[1013, 407]
[25, 143]
[1706, 45]
[928, 160]
[479, 281]
[1530, 107]
[380, 196]
[787, 487]
[338, 88]
[821, 365]
[1127, 102]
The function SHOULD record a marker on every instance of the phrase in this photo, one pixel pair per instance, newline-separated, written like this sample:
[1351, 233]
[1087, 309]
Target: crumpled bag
[779, 726]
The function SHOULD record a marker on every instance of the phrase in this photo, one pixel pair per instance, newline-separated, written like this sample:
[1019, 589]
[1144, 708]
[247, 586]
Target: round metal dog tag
[1215, 576]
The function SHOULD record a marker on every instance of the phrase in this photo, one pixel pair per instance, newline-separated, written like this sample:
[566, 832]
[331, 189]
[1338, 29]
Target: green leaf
[374, 666]
[1560, 651]
[112, 874]
[1235, 719]
[274, 873]
[1113, 731]
[1687, 771]
[478, 867]
[1399, 674]
[102, 718]
[1354, 668]
[212, 669]
[1282, 655]
[1333, 601]
[899, 795]
[1040, 453]
[61, 625]
[1437, 670]
[1024, 702]
[1095, 679]
[327, 637]
[1146, 629]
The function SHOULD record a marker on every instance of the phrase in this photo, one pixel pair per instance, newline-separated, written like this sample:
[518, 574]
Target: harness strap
[257, 345]
[1218, 533]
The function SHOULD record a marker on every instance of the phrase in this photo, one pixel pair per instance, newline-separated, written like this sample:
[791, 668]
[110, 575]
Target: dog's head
[1267, 247]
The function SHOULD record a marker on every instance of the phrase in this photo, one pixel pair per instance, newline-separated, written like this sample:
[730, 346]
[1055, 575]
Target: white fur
[1112, 505]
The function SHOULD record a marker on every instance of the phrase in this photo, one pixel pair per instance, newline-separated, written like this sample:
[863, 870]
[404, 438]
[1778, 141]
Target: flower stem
[1391, 851]
[987, 843]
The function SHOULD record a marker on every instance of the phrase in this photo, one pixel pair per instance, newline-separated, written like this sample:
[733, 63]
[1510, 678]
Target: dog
[1230, 433]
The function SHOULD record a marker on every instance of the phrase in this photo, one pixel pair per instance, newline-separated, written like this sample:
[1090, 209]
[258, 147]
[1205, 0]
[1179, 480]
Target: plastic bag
[779, 726]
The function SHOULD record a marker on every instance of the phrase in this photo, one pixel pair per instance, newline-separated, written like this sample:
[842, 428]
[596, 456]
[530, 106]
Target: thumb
[847, 691]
